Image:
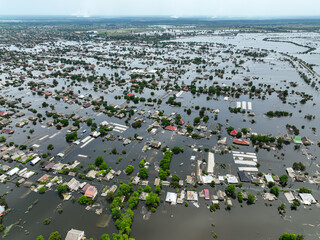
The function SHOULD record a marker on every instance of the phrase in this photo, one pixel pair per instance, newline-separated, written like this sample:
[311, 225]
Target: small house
[91, 192]
[74, 234]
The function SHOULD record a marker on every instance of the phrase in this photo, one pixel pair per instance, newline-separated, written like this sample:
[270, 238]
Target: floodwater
[252, 222]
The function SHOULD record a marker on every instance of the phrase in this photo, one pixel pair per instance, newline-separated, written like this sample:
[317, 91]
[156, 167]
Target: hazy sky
[214, 8]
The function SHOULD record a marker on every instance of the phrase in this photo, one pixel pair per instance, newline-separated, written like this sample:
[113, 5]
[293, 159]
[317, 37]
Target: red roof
[91, 192]
[233, 133]
[181, 122]
[206, 194]
[45, 177]
[8, 131]
[4, 113]
[241, 142]
[4, 148]
[129, 94]
[171, 128]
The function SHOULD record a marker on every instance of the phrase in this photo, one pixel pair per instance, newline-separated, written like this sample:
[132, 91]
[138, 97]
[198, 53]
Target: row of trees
[165, 165]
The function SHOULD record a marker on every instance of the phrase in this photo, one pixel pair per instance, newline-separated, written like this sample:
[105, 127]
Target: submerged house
[74, 234]
[91, 192]
[244, 176]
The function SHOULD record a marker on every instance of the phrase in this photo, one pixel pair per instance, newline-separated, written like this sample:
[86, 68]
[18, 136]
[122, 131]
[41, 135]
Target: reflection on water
[103, 221]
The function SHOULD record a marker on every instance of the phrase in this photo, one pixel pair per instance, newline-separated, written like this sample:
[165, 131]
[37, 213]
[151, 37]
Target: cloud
[217, 8]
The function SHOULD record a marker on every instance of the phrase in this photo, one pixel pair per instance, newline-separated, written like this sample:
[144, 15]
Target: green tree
[133, 201]
[84, 200]
[244, 130]
[99, 160]
[240, 197]
[282, 208]
[103, 166]
[290, 236]
[114, 151]
[212, 184]
[152, 200]
[71, 136]
[40, 237]
[129, 169]
[141, 163]
[158, 188]
[143, 173]
[275, 190]
[189, 129]
[124, 189]
[231, 190]
[55, 236]
[42, 190]
[116, 213]
[304, 190]
[62, 189]
[239, 135]
[105, 237]
[251, 199]
[295, 204]
[196, 121]
[64, 122]
[50, 147]
[176, 150]
[175, 181]
[280, 141]
[283, 180]
[89, 122]
[124, 222]
[147, 189]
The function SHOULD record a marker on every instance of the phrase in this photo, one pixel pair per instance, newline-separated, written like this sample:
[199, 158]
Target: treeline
[278, 114]
[165, 165]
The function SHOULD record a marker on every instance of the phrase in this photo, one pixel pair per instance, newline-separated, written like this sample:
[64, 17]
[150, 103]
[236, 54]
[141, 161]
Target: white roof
[192, 196]
[35, 161]
[3, 177]
[28, 174]
[210, 162]
[289, 196]
[307, 198]
[232, 179]
[74, 234]
[221, 178]
[73, 184]
[248, 169]
[104, 123]
[171, 197]
[206, 179]
[13, 171]
[269, 178]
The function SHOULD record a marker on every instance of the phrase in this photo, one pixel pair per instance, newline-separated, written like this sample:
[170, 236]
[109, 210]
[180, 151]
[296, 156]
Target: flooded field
[215, 83]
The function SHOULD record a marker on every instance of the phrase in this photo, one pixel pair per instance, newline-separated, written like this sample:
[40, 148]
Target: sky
[174, 8]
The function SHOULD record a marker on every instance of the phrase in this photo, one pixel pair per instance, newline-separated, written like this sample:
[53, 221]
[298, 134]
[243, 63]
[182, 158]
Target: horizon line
[265, 17]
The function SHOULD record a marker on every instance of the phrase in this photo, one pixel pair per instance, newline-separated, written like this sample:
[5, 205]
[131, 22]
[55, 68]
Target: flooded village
[159, 131]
